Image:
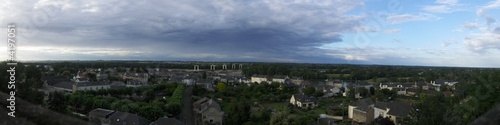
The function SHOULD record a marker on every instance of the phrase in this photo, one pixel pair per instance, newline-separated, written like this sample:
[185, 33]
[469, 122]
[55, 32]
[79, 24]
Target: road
[187, 111]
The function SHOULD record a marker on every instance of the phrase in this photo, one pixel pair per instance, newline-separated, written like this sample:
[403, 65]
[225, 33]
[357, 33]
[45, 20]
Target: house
[400, 88]
[424, 85]
[258, 79]
[365, 111]
[101, 76]
[361, 111]
[90, 86]
[142, 77]
[296, 80]
[304, 101]
[65, 86]
[397, 111]
[110, 117]
[362, 84]
[411, 92]
[189, 81]
[82, 80]
[135, 83]
[450, 82]
[287, 86]
[117, 84]
[207, 111]
[279, 78]
[334, 82]
[167, 121]
[51, 80]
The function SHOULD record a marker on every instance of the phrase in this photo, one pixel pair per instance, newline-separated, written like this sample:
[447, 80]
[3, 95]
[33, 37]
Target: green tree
[238, 112]
[151, 112]
[363, 91]
[309, 90]
[282, 116]
[57, 102]
[351, 95]
[149, 95]
[221, 87]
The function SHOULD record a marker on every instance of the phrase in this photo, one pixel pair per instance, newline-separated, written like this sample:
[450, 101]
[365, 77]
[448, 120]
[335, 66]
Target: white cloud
[443, 6]
[392, 31]
[492, 5]
[471, 25]
[447, 43]
[448, 2]
[402, 18]
[482, 42]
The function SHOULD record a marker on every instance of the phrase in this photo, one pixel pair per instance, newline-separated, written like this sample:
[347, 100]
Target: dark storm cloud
[222, 29]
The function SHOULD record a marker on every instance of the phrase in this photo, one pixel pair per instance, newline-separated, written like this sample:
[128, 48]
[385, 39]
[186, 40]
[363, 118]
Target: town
[230, 93]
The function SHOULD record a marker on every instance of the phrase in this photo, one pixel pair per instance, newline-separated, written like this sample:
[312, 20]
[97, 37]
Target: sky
[386, 32]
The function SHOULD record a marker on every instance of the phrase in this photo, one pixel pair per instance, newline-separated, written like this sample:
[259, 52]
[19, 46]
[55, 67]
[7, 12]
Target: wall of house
[292, 100]
[216, 115]
[359, 116]
[350, 111]
[257, 79]
[279, 80]
[93, 87]
[378, 112]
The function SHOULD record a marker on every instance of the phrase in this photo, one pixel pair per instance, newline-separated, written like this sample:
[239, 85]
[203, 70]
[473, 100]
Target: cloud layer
[220, 29]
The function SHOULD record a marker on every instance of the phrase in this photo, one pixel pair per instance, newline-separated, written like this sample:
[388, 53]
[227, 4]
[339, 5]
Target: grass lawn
[274, 105]
[318, 111]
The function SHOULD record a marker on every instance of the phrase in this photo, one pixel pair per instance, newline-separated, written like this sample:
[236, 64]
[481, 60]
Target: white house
[279, 78]
[258, 79]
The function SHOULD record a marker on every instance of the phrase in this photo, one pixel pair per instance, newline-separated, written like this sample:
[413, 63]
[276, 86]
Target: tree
[281, 117]
[351, 95]
[238, 112]
[151, 112]
[318, 94]
[66, 73]
[149, 95]
[309, 90]
[363, 91]
[221, 87]
[372, 91]
[57, 102]
[428, 110]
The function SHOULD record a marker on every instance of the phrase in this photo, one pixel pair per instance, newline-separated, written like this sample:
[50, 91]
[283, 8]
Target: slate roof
[363, 104]
[440, 81]
[101, 113]
[51, 80]
[260, 76]
[279, 77]
[305, 98]
[124, 118]
[421, 83]
[167, 121]
[381, 105]
[64, 85]
[205, 103]
[288, 84]
[83, 79]
[98, 83]
[398, 109]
